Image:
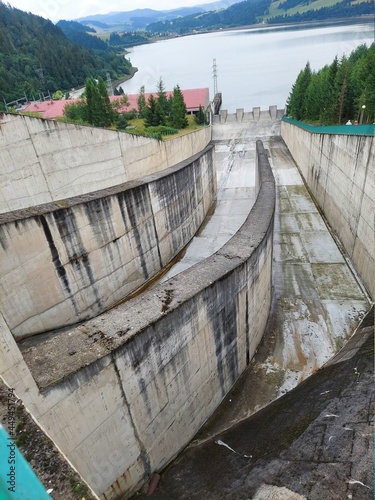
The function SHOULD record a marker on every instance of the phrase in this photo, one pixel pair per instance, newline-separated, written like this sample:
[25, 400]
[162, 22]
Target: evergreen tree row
[161, 114]
[337, 92]
[96, 108]
[161, 110]
[128, 39]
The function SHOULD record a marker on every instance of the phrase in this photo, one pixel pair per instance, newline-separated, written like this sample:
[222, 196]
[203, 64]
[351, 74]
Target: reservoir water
[256, 67]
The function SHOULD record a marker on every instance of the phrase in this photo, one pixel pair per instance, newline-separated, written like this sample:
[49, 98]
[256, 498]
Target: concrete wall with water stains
[340, 172]
[44, 160]
[60, 265]
[123, 393]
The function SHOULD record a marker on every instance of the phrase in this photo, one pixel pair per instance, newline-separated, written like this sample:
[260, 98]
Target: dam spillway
[196, 334]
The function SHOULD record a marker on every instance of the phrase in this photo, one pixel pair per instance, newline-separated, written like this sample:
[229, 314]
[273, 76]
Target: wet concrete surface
[316, 441]
[317, 304]
[236, 194]
[317, 301]
[235, 146]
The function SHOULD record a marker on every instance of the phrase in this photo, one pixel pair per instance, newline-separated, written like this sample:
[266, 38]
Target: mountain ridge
[125, 17]
[36, 57]
[227, 14]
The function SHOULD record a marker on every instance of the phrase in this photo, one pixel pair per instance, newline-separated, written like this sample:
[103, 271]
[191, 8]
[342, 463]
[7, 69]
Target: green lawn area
[140, 129]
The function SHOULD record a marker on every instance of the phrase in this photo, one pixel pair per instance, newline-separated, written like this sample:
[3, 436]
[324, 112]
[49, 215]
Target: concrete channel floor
[314, 443]
[235, 146]
[235, 171]
[317, 304]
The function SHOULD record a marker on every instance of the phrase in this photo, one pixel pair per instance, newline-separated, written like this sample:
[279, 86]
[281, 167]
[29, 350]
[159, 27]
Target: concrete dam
[88, 216]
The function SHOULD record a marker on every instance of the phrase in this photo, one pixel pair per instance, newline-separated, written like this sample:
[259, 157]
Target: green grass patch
[80, 489]
[137, 127]
[315, 5]
[103, 36]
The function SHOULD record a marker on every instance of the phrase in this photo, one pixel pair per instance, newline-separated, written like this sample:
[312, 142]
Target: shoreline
[368, 18]
[125, 78]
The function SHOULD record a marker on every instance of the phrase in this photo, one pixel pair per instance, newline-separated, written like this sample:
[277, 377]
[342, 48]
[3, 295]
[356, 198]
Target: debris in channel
[221, 443]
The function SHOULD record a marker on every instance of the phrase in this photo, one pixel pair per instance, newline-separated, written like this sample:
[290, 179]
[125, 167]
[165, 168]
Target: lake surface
[256, 67]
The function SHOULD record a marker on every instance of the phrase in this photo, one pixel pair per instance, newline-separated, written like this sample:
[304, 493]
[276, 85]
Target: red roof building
[52, 109]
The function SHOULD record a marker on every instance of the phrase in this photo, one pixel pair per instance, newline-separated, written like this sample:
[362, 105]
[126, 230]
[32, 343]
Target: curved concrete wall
[340, 172]
[64, 265]
[123, 393]
[44, 160]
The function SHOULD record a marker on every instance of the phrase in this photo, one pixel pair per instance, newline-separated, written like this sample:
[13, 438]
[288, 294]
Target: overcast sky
[72, 9]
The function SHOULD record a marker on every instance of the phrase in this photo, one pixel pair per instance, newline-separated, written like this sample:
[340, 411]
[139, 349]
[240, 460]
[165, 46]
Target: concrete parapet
[239, 114]
[243, 116]
[125, 392]
[223, 113]
[69, 261]
[273, 112]
[256, 114]
[340, 173]
[248, 116]
[45, 160]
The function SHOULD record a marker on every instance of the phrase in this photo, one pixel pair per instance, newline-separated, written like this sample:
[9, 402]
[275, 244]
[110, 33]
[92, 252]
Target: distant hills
[227, 14]
[36, 57]
[141, 18]
[252, 12]
[238, 14]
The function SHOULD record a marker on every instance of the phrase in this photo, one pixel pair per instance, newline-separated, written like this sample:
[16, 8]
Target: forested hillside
[36, 56]
[239, 14]
[258, 11]
[340, 10]
[338, 92]
[79, 34]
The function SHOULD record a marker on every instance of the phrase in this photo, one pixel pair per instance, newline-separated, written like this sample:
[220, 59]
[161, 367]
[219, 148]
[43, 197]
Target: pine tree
[141, 102]
[365, 86]
[150, 112]
[296, 106]
[178, 118]
[331, 92]
[162, 98]
[92, 101]
[107, 116]
[100, 112]
[200, 118]
[314, 98]
[342, 79]
[159, 114]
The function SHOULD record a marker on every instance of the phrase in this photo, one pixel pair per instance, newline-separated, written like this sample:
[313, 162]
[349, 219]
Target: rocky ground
[49, 465]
